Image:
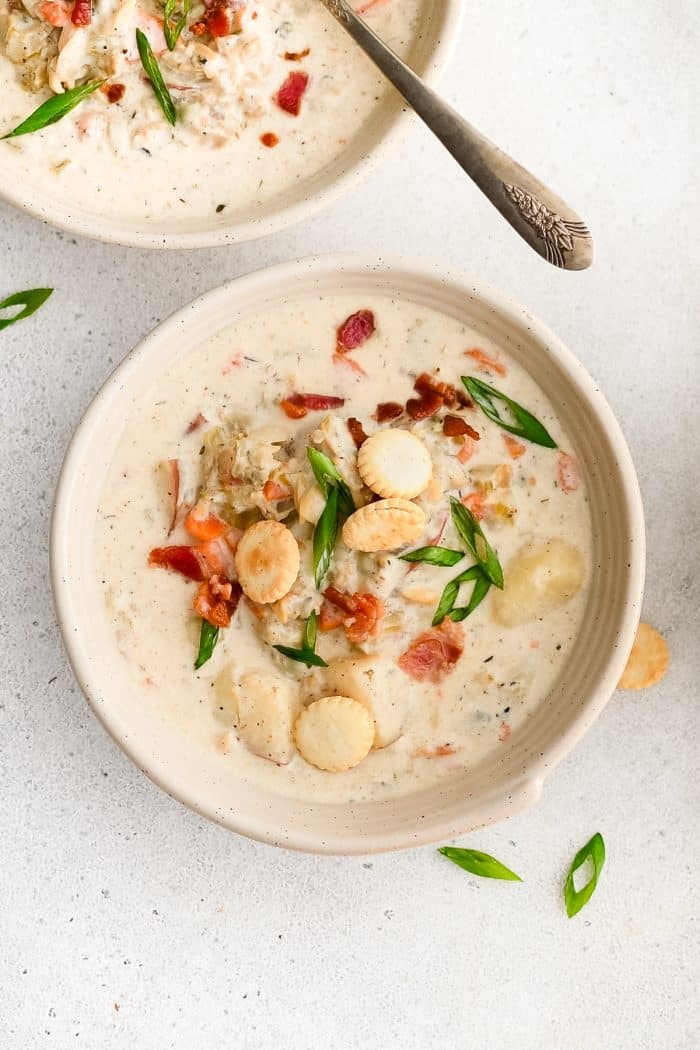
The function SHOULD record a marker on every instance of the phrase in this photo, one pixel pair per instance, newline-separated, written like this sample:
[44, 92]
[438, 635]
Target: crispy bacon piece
[296, 56]
[269, 139]
[455, 426]
[474, 501]
[114, 92]
[354, 331]
[425, 406]
[388, 410]
[205, 526]
[514, 447]
[217, 600]
[291, 93]
[185, 560]
[427, 384]
[173, 468]
[296, 406]
[196, 423]
[486, 361]
[273, 491]
[433, 654]
[357, 432]
[360, 614]
[82, 13]
[569, 479]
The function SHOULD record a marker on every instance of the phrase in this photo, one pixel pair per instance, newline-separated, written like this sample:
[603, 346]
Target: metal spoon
[538, 215]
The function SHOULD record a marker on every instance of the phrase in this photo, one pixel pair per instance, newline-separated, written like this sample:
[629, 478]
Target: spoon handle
[538, 215]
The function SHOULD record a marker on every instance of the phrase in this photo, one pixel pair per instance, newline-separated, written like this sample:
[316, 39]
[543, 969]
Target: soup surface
[266, 94]
[268, 489]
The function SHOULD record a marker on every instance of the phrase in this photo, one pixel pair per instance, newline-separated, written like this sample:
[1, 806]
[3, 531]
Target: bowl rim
[241, 232]
[522, 791]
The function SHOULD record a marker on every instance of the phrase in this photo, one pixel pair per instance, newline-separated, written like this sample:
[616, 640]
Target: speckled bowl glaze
[382, 133]
[491, 792]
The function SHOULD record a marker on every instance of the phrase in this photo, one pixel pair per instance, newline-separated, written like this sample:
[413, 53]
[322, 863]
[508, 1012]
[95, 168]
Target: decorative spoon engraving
[538, 215]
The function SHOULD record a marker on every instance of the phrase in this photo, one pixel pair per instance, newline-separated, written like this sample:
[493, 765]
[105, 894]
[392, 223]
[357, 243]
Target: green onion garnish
[481, 864]
[31, 300]
[53, 109]
[525, 425]
[160, 89]
[576, 899]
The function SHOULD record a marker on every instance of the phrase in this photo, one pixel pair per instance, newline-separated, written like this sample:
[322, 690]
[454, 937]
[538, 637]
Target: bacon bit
[292, 410]
[387, 411]
[345, 359]
[425, 406]
[467, 450]
[113, 92]
[455, 426]
[486, 361]
[55, 12]
[291, 93]
[185, 560]
[205, 526]
[217, 600]
[359, 614]
[474, 502]
[296, 406]
[354, 331]
[173, 466]
[569, 478]
[357, 432]
[505, 732]
[273, 491]
[296, 56]
[82, 13]
[433, 654]
[269, 139]
[196, 423]
[515, 448]
[427, 384]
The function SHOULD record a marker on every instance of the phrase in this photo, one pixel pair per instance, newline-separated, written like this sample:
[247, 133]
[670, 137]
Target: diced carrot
[515, 448]
[467, 450]
[474, 501]
[486, 361]
[205, 526]
[273, 491]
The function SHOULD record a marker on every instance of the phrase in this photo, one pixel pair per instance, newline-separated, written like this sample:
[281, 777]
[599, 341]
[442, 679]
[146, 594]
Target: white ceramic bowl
[380, 135]
[501, 786]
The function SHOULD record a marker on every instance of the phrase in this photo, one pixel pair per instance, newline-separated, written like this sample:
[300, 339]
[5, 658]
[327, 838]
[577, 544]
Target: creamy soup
[266, 94]
[289, 506]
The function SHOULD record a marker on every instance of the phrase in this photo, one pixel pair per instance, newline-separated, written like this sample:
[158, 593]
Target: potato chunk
[267, 709]
[539, 579]
[376, 686]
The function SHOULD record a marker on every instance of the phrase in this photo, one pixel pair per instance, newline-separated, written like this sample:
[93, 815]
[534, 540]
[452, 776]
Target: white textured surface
[112, 895]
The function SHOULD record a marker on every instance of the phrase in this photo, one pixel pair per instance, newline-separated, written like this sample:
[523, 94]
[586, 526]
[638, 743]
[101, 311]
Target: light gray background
[126, 921]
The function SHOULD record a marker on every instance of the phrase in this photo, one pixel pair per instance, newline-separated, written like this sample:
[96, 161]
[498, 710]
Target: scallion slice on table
[523, 423]
[160, 89]
[30, 300]
[53, 109]
[208, 637]
[173, 27]
[471, 534]
[481, 864]
[595, 852]
[434, 556]
[307, 654]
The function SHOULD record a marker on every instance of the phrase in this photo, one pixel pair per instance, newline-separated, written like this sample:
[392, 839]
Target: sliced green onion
[525, 425]
[208, 637]
[434, 556]
[310, 632]
[482, 585]
[325, 536]
[576, 899]
[172, 29]
[327, 474]
[160, 89]
[481, 864]
[307, 654]
[53, 109]
[31, 300]
[473, 537]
